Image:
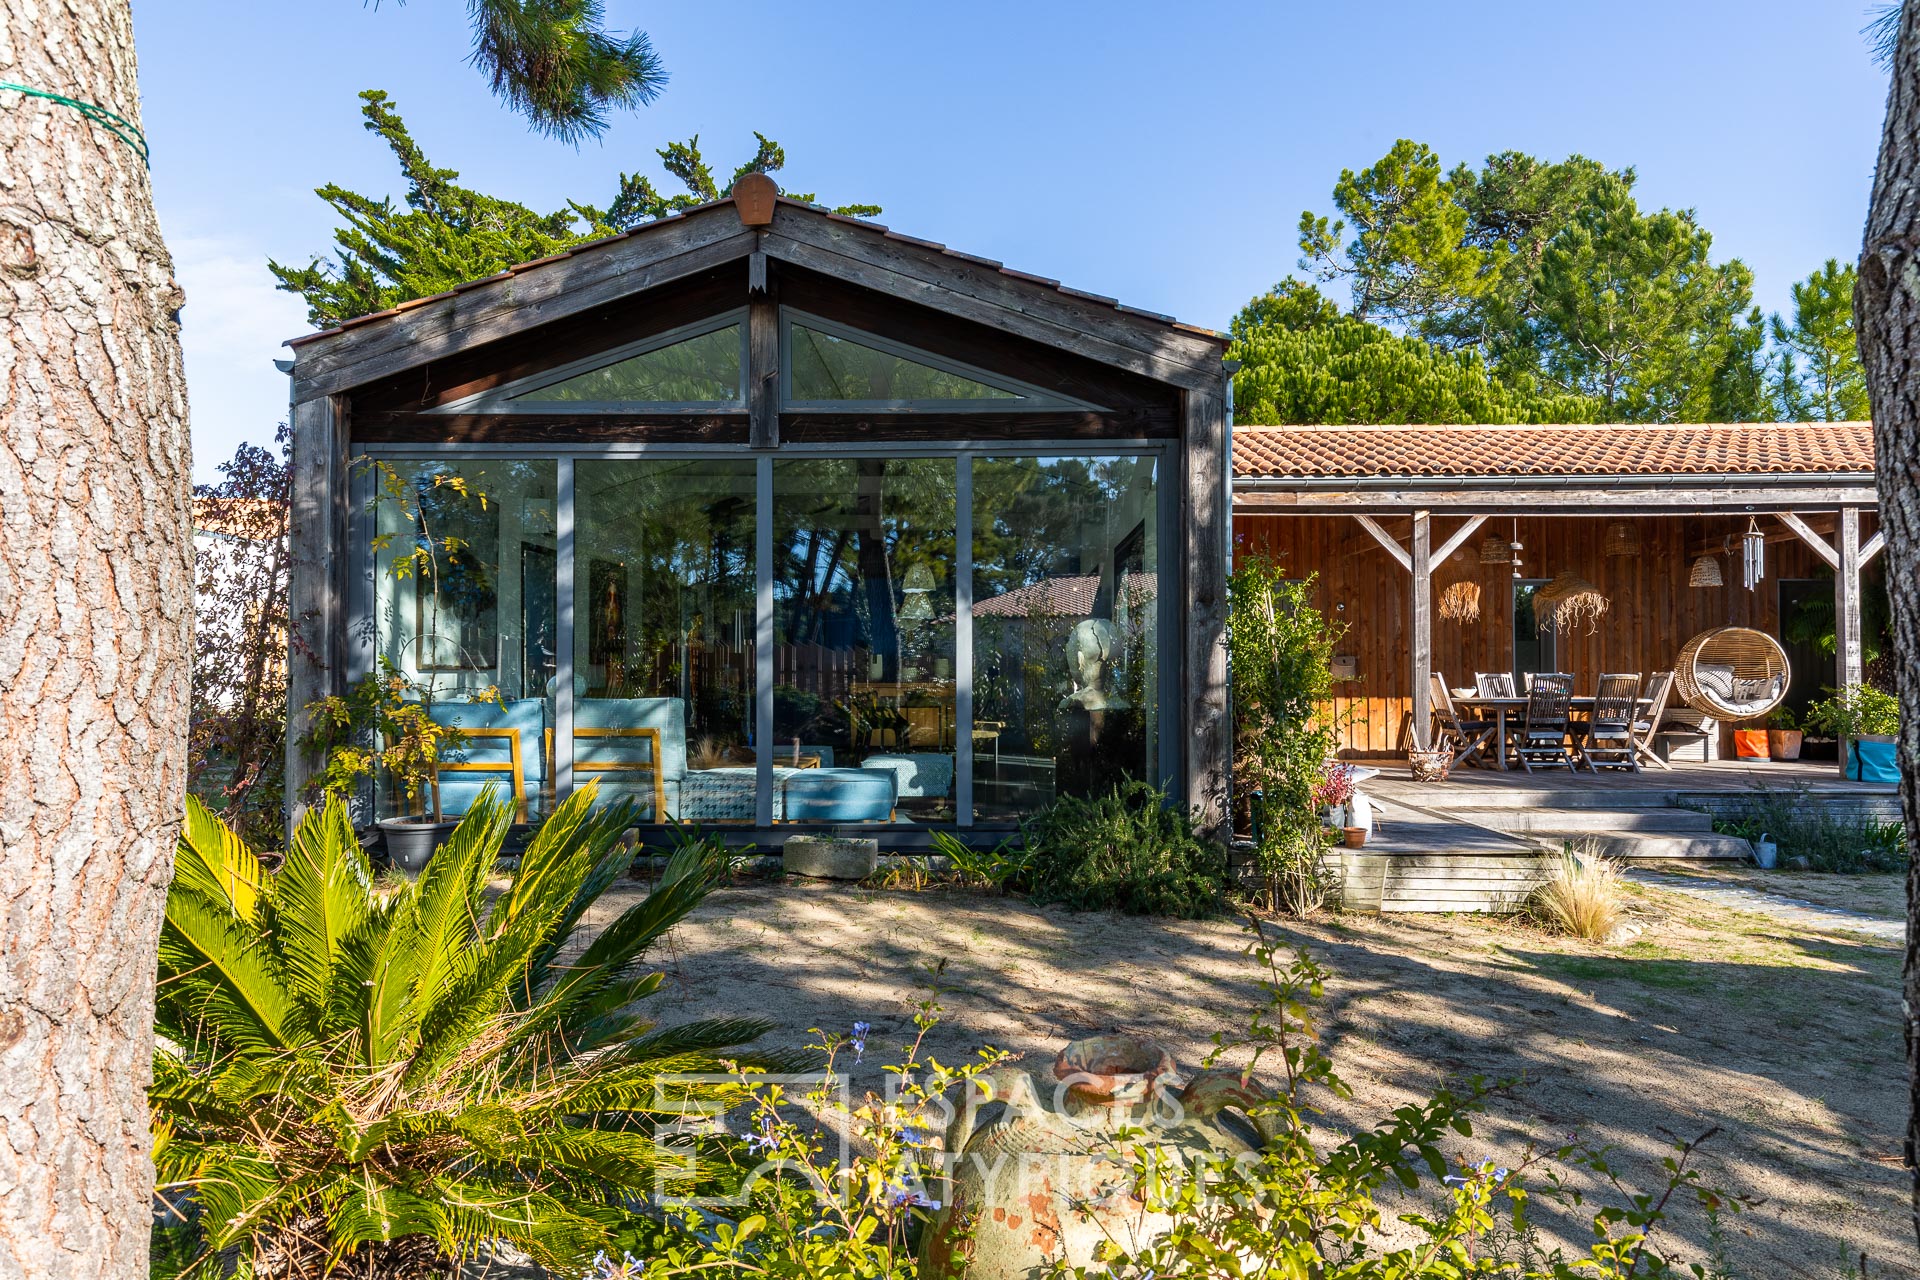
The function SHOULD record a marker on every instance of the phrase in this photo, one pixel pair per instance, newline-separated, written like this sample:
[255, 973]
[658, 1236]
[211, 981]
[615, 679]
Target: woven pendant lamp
[1623, 539]
[1567, 600]
[1493, 550]
[1461, 602]
[1706, 573]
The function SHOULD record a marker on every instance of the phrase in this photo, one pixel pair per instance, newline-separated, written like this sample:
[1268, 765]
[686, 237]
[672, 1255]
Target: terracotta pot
[1783, 744]
[1050, 1178]
[411, 842]
[1356, 836]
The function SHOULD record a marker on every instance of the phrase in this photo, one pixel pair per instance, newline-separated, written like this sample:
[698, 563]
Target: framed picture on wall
[607, 623]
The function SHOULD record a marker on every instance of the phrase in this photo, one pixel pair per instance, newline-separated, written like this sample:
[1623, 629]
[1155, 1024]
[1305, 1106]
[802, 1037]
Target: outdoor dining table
[1500, 705]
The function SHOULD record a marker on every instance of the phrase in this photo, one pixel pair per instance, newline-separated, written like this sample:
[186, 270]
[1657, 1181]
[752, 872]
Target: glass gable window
[701, 370]
[466, 615]
[1066, 579]
[830, 366]
[696, 367]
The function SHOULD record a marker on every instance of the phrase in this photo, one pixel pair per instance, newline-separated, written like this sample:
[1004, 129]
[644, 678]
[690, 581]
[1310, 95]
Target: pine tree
[1820, 376]
[1302, 362]
[447, 234]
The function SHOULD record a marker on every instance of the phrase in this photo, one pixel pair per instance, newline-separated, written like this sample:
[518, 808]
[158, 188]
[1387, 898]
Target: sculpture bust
[1090, 651]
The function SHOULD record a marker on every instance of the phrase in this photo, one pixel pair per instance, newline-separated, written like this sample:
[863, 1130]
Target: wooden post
[1847, 649]
[763, 355]
[1421, 618]
[1207, 732]
[316, 597]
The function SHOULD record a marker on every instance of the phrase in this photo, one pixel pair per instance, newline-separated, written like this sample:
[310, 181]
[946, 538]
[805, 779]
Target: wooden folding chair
[1646, 724]
[1542, 738]
[1607, 737]
[1466, 738]
[1494, 684]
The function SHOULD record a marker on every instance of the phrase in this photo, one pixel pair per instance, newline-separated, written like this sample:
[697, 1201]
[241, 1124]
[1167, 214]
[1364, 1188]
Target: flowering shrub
[1335, 785]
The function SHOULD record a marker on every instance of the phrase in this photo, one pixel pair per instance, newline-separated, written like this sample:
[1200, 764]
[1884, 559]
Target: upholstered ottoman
[839, 795]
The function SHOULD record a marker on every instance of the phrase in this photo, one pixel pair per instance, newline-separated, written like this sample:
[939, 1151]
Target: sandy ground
[1787, 1040]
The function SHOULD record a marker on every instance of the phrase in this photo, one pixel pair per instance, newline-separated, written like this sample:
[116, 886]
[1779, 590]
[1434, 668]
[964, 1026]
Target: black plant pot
[411, 842]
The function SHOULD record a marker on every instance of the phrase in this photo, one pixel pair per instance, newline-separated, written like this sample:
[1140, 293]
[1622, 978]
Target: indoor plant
[1783, 735]
[383, 722]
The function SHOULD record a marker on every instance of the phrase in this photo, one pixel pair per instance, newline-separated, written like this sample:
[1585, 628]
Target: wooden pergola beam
[1801, 530]
[1460, 535]
[1387, 540]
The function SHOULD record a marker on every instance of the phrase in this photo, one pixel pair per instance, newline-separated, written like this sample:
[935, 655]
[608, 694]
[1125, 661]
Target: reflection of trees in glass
[826, 366]
[439, 532]
[700, 369]
[864, 564]
[683, 531]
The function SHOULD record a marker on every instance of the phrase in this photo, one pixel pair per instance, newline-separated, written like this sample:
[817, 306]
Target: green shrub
[1852, 712]
[1001, 868]
[380, 1080]
[1280, 652]
[1126, 850]
[1804, 826]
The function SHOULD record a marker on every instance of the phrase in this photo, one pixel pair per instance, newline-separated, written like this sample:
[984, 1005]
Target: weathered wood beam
[316, 595]
[502, 306]
[1387, 540]
[1872, 547]
[1207, 729]
[1421, 617]
[763, 355]
[983, 294]
[1460, 535]
[1819, 544]
[1848, 651]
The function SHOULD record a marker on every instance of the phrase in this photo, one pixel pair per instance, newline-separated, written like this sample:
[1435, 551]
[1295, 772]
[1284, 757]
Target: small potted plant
[1333, 793]
[1783, 735]
[1865, 720]
[383, 722]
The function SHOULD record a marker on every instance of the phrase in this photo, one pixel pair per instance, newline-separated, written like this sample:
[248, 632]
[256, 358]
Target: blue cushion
[668, 715]
[918, 774]
[460, 788]
[840, 795]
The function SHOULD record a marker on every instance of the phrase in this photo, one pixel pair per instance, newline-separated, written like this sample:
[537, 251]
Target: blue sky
[1158, 153]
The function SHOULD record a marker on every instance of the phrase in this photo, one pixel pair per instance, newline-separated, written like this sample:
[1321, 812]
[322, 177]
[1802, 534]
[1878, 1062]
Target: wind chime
[1753, 555]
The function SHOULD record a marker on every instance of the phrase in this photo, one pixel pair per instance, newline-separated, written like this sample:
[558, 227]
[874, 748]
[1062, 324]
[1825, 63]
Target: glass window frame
[1023, 397]
[361, 621]
[503, 399]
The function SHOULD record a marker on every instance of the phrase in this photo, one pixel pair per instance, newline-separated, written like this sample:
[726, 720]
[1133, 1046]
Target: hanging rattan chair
[1732, 673]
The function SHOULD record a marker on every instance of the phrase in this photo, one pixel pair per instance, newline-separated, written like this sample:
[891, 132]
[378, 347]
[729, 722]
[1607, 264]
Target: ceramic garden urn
[1051, 1175]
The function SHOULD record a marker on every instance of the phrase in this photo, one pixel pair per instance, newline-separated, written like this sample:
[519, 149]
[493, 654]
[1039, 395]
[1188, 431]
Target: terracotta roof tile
[1756, 448]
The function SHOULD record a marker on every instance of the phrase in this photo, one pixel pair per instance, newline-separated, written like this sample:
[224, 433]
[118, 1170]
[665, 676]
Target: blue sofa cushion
[840, 795]
[668, 715]
[460, 788]
[917, 774]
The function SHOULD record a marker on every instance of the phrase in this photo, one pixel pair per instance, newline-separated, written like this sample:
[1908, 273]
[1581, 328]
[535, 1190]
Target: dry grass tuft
[1581, 896]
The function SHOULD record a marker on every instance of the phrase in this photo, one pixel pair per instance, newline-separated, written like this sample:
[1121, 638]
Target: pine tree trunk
[96, 598]
[1887, 317]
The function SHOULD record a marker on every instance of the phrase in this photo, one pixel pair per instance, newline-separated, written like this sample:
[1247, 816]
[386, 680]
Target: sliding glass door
[864, 693]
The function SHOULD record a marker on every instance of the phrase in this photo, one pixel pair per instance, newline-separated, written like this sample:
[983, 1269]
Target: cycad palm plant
[390, 1078]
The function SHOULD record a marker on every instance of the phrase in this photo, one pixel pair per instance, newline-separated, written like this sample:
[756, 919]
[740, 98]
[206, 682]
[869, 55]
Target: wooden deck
[1476, 842]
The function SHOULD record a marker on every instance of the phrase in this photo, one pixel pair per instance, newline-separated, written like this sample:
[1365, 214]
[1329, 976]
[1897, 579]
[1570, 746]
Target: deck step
[1498, 797]
[1646, 845]
[1663, 821]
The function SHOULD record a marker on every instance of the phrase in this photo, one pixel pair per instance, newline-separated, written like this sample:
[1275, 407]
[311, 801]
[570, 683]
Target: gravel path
[1778, 906]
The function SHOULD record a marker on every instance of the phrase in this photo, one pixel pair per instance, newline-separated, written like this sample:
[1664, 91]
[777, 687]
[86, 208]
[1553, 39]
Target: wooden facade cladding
[1653, 612]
